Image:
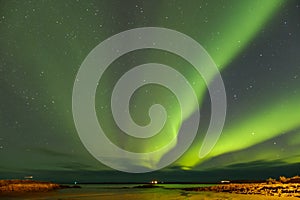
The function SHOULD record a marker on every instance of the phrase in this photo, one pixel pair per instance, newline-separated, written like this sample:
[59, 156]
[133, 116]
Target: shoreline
[27, 186]
[263, 189]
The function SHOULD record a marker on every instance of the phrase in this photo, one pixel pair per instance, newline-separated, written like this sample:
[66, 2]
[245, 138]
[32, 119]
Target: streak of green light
[269, 120]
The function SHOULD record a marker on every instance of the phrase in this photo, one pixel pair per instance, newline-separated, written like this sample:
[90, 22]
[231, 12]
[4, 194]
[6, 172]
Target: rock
[9, 186]
[272, 189]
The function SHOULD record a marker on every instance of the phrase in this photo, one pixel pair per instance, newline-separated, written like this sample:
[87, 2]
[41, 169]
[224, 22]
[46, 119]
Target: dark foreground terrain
[19, 186]
[284, 187]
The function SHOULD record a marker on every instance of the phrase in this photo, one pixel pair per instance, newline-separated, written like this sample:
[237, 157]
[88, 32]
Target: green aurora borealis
[254, 43]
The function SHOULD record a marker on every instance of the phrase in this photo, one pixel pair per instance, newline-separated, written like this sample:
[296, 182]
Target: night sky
[254, 43]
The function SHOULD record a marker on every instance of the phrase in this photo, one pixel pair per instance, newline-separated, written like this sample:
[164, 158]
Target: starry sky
[254, 43]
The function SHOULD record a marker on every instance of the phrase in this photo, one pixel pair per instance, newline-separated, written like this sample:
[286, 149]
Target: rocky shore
[285, 187]
[17, 186]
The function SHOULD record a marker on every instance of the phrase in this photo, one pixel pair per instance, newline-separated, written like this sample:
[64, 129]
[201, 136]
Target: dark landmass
[148, 186]
[284, 187]
[19, 186]
[136, 183]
